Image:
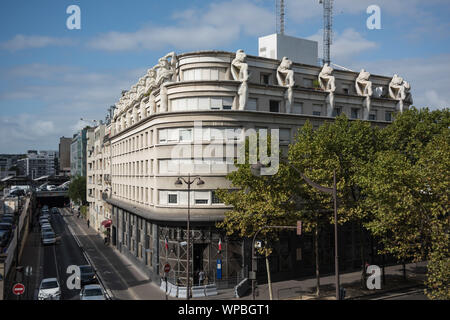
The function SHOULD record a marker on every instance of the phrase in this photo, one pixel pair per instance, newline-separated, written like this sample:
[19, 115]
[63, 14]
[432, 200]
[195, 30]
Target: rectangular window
[227, 103]
[265, 78]
[214, 198]
[201, 197]
[172, 198]
[317, 110]
[185, 134]
[251, 104]
[297, 108]
[336, 111]
[285, 135]
[388, 116]
[274, 106]
[162, 135]
[355, 113]
[373, 115]
[307, 83]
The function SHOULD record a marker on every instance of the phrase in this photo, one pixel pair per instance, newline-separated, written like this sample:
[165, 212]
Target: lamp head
[178, 182]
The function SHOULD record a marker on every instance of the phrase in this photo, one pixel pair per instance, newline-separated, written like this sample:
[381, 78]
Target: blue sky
[50, 76]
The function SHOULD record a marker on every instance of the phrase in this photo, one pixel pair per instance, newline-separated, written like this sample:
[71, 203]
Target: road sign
[299, 228]
[167, 268]
[18, 289]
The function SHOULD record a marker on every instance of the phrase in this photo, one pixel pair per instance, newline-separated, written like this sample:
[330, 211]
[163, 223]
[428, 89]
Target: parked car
[5, 233]
[49, 289]
[43, 221]
[48, 238]
[46, 229]
[87, 275]
[92, 292]
[46, 225]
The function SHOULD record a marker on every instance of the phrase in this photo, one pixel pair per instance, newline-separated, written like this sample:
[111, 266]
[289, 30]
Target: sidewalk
[125, 281]
[304, 289]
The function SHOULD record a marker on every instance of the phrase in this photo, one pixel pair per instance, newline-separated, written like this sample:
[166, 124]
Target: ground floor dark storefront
[153, 244]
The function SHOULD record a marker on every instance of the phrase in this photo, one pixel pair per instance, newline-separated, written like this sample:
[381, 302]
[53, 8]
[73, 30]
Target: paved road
[52, 260]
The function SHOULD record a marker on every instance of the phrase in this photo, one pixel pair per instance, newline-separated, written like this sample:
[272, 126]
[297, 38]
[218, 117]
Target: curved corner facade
[206, 102]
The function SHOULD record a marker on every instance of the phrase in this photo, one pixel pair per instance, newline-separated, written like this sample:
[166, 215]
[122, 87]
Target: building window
[265, 78]
[337, 112]
[388, 116]
[214, 198]
[317, 110]
[285, 135]
[185, 135]
[307, 83]
[172, 198]
[297, 108]
[251, 104]
[201, 74]
[355, 113]
[274, 106]
[373, 115]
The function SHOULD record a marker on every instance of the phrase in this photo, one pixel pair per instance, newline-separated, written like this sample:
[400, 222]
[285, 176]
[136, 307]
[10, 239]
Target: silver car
[92, 292]
[49, 289]
[48, 238]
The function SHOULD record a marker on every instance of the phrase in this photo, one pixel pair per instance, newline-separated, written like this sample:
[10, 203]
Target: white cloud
[21, 42]
[217, 25]
[60, 103]
[345, 45]
[429, 77]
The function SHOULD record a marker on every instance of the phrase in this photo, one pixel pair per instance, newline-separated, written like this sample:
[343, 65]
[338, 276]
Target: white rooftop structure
[277, 46]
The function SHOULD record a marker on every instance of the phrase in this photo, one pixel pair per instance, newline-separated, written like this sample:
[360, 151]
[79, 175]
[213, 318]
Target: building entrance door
[199, 249]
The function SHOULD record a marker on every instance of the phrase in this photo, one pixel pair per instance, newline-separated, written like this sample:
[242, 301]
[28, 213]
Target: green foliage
[77, 190]
[407, 187]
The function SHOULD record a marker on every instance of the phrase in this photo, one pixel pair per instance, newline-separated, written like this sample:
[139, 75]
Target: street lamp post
[180, 181]
[256, 170]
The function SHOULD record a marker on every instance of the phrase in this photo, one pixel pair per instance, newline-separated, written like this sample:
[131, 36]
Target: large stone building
[207, 102]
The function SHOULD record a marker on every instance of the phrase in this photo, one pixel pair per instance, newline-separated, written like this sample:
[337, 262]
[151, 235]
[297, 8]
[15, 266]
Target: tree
[406, 187]
[258, 201]
[77, 190]
[345, 146]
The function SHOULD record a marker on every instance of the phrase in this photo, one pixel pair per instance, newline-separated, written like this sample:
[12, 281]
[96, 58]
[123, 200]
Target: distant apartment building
[98, 176]
[78, 152]
[8, 162]
[64, 155]
[37, 164]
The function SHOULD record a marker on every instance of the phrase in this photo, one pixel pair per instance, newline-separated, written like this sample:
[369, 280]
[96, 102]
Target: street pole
[180, 181]
[188, 235]
[336, 255]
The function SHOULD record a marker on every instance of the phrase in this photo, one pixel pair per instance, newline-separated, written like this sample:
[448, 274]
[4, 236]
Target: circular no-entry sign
[18, 289]
[166, 268]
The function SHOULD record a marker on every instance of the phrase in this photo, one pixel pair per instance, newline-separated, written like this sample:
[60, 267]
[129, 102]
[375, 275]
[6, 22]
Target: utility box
[277, 46]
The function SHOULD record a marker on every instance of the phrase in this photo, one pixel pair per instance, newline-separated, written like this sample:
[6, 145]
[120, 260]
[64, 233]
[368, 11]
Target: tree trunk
[268, 277]
[361, 251]
[316, 249]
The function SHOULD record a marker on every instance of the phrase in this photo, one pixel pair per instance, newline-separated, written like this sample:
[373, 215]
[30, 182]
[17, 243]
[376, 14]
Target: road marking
[108, 291]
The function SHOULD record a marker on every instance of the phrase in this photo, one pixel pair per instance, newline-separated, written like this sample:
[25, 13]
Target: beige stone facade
[148, 209]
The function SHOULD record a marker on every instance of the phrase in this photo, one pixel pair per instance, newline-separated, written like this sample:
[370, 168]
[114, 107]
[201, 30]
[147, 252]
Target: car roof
[92, 286]
[49, 280]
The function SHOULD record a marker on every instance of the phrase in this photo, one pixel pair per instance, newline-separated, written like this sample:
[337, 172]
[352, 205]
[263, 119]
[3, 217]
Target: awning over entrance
[107, 223]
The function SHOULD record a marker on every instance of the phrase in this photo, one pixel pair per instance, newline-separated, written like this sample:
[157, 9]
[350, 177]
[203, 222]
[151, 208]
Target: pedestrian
[88, 223]
[201, 277]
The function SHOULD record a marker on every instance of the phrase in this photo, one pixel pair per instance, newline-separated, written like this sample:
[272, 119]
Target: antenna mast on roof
[280, 7]
[327, 28]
